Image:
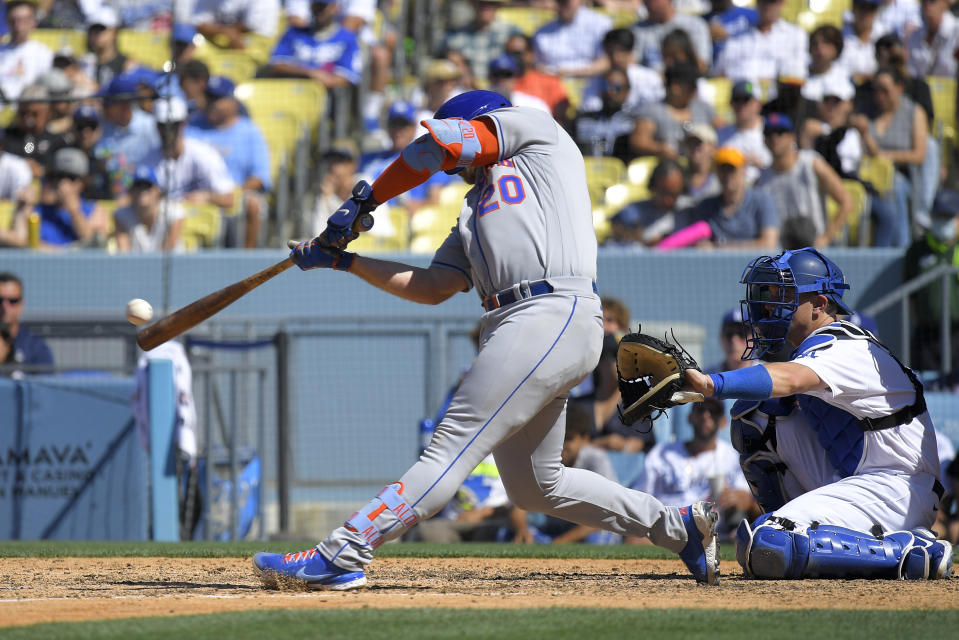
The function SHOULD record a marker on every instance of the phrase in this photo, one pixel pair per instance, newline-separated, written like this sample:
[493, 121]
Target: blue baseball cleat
[701, 553]
[307, 566]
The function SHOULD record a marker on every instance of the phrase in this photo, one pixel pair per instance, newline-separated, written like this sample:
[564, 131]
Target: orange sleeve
[400, 177]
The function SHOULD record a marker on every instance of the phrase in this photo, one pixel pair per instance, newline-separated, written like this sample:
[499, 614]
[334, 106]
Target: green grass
[509, 624]
[103, 549]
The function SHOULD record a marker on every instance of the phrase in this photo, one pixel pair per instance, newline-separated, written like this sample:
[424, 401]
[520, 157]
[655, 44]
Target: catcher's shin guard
[384, 518]
[769, 549]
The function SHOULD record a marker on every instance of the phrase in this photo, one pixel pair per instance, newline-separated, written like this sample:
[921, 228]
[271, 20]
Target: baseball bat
[196, 312]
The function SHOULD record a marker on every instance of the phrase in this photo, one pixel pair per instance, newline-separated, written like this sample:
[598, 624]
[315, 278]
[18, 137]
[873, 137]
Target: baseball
[139, 311]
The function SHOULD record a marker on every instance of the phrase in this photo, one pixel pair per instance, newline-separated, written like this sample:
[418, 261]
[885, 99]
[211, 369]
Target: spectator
[698, 149]
[545, 86]
[677, 49]
[226, 24]
[65, 60]
[338, 168]
[577, 453]
[606, 131]
[899, 17]
[242, 146]
[648, 221]
[825, 48]
[939, 246]
[898, 133]
[481, 40]
[104, 62]
[662, 19]
[739, 218]
[63, 14]
[27, 136]
[443, 81]
[799, 180]
[503, 73]
[401, 126]
[479, 512]
[66, 218]
[359, 16]
[183, 43]
[59, 88]
[661, 126]
[328, 54]
[571, 45]
[188, 169]
[15, 173]
[645, 85]
[194, 78]
[703, 467]
[859, 39]
[18, 345]
[726, 20]
[931, 49]
[146, 15]
[85, 135]
[746, 133]
[151, 223]
[890, 52]
[733, 334]
[830, 133]
[774, 48]
[22, 60]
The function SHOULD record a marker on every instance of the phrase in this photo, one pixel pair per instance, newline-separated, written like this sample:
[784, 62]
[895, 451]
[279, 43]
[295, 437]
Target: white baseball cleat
[701, 553]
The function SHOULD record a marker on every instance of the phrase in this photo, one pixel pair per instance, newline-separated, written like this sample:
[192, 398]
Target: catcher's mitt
[651, 376]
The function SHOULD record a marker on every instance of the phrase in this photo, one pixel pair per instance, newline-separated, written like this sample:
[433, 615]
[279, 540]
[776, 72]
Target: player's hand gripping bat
[196, 312]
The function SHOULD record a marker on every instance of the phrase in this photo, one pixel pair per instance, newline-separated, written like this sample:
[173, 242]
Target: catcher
[857, 488]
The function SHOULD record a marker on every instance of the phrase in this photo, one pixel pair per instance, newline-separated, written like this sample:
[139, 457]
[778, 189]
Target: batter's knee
[529, 493]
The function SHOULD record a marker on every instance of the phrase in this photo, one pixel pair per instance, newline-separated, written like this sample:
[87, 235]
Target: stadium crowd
[142, 125]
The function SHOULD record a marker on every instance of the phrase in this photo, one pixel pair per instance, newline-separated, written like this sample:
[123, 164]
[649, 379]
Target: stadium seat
[238, 66]
[427, 242]
[7, 115]
[526, 19]
[857, 227]
[822, 12]
[201, 226]
[602, 173]
[621, 194]
[452, 194]
[57, 39]
[601, 224]
[574, 89]
[878, 172]
[281, 132]
[149, 48]
[943, 90]
[640, 169]
[303, 99]
[621, 19]
[434, 220]
[7, 208]
[717, 93]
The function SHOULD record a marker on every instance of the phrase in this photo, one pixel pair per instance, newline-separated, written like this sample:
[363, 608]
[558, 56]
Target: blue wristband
[750, 383]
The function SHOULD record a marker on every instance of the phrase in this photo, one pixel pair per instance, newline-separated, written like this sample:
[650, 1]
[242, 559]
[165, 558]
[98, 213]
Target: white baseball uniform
[892, 484]
[525, 231]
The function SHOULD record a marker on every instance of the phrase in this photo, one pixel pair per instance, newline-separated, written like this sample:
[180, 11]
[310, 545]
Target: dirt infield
[71, 589]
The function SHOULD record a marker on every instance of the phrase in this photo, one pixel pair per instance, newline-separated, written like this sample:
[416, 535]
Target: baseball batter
[853, 429]
[525, 242]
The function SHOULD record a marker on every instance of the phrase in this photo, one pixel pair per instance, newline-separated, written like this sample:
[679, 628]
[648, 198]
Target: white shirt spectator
[858, 57]
[145, 240]
[15, 176]
[936, 59]
[901, 17]
[649, 38]
[571, 46]
[645, 86]
[812, 90]
[752, 145]
[199, 168]
[21, 65]
[757, 55]
[676, 478]
[257, 16]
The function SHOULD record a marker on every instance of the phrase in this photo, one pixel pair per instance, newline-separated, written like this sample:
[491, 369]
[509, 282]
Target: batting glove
[341, 228]
[312, 254]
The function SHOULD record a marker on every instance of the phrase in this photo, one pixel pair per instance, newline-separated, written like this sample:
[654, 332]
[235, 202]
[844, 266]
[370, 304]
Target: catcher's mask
[773, 285]
[470, 105]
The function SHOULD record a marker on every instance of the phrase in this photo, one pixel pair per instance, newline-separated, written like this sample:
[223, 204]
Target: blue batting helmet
[471, 104]
[773, 285]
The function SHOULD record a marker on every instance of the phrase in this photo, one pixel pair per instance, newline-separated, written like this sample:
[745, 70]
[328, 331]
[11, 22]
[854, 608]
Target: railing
[900, 295]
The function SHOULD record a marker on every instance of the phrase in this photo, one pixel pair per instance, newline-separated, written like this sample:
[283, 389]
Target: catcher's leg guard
[769, 549]
[376, 526]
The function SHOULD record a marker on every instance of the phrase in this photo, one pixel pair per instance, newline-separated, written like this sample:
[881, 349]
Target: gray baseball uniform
[525, 241]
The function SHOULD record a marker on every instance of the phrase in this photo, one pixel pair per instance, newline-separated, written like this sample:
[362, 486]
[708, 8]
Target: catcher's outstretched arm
[773, 380]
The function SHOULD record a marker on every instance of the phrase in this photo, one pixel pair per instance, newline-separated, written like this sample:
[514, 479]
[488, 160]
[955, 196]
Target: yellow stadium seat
[7, 208]
[601, 225]
[621, 19]
[640, 169]
[58, 38]
[281, 132]
[6, 116]
[235, 65]
[879, 172]
[602, 173]
[201, 226]
[526, 19]
[717, 93]
[146, 47]
[620, 195]
[857, 226]
[822, 12]
[452, 194]
[574, 89]
[943, 90]
[433, 220]
[304, 99]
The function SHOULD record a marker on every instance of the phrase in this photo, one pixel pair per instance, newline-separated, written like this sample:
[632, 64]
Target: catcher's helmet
[471, 104]
[768, 312]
